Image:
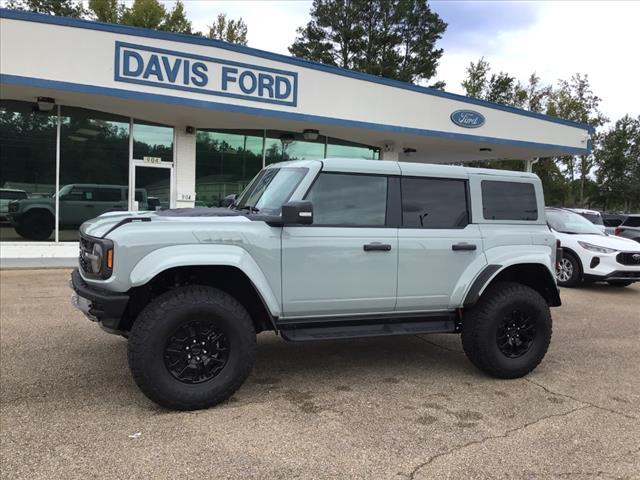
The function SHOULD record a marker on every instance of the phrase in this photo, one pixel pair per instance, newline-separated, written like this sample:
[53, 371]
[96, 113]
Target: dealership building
[97, 117]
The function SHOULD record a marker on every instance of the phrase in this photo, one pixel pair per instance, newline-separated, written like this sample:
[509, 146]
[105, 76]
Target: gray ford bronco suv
[316, 250]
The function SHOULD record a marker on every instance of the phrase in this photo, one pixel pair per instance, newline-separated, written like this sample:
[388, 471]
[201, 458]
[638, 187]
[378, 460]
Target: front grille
[627, 258]
[13, 207]
[86, 246]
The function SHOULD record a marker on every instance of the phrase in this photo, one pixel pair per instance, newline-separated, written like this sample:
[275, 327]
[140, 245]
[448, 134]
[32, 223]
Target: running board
[307, 331]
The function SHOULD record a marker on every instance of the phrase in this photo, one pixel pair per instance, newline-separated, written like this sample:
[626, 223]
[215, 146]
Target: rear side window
[434, 203]
[508, 201]
[349, 200]
[632, 222]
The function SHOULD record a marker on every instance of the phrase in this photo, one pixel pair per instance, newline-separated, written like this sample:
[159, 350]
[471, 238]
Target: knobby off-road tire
[488, 328]
[197, 322]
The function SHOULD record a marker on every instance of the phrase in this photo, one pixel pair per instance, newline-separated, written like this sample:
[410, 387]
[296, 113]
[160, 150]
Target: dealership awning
[184, 80]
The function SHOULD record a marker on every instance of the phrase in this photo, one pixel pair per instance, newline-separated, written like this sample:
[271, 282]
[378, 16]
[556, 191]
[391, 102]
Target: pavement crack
[584, 402]
[505, 434]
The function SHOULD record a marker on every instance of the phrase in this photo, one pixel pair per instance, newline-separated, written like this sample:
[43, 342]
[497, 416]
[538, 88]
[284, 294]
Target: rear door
[437, 244]
[347, 261]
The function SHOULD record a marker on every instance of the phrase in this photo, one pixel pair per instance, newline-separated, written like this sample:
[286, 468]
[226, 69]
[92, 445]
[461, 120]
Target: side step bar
[331, 330]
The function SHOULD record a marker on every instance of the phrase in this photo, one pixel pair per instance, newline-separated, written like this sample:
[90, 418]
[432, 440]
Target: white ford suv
[589, 254]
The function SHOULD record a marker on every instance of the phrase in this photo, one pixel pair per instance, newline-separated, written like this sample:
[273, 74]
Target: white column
[389, 151]
[185, 167]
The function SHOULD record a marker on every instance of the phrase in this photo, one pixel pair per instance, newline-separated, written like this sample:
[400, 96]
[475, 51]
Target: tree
[176, 20]
[617, 156]
[145, 13]
[390, 38]
[109, 11]
[232, 31]
[498, 88]
[574, 100]
[63, 8]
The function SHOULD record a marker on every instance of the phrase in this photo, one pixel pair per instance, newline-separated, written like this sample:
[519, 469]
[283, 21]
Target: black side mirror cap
[297, 213]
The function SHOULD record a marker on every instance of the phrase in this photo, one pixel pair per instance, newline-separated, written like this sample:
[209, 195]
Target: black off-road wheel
[619, 283]
[36, 225]
[507, 333]
[191, 348]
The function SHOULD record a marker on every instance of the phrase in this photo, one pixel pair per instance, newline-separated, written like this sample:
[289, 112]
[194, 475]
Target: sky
[554, 39]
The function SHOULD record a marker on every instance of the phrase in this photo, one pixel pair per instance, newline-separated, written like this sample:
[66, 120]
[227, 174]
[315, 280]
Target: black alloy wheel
[196, 352]
[515, 334]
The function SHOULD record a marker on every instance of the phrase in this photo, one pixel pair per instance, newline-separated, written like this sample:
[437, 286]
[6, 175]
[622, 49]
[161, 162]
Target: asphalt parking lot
[404, 407]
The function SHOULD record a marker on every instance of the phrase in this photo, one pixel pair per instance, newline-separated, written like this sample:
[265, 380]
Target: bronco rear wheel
[192, 348]
[507, 333]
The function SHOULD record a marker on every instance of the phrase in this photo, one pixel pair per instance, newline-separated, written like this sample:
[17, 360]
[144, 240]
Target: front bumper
[622, 275]
[101, 306]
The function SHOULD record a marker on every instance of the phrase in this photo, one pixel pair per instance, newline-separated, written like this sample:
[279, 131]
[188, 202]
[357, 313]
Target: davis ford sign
[196, 73]
[467, 118]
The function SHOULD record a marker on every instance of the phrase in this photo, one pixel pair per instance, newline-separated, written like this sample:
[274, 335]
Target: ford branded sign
[157, 67]
[467, 118]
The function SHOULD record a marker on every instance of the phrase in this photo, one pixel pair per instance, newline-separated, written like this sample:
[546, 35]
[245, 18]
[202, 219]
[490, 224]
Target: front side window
[508, 200]
[349, 200]
[434, 203]
[270, 189]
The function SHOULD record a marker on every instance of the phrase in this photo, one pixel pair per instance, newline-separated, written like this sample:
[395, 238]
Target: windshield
[568, 222]
[593, 218]
[269, 190]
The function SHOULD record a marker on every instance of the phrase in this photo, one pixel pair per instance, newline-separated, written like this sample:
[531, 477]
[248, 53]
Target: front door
[153, 186]
[346, 262]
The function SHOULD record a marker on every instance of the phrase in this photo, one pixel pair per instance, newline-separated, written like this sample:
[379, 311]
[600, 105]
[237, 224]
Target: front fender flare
[165, 258]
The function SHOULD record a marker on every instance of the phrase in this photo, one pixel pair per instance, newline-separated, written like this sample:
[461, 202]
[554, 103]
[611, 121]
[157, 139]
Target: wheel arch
[227, 267]
[573, 252]
[534, 275]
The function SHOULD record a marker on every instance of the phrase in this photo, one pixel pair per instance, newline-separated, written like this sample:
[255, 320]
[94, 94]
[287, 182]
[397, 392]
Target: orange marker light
[110, 258]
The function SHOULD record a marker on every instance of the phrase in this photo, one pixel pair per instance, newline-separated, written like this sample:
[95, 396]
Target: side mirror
[297, 213]
[228, 200]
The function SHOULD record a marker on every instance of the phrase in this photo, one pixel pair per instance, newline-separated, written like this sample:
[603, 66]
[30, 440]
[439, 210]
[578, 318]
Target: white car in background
[589, 254]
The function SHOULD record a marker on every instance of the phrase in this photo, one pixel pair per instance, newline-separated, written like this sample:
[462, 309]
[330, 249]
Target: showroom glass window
[283, 146]
[434, 203]
[349, 200]
[344, 149]
[94, 167]
[152, 140]
[226, 161]
[27, 168]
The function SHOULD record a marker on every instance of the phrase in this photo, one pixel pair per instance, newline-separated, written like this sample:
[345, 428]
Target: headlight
[96, 258]
[596, 248]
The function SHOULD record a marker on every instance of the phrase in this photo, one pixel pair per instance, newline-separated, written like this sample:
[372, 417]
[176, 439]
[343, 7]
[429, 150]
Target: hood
[100, 226]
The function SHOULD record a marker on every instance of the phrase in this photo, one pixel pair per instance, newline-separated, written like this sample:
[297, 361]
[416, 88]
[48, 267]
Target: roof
[196, 40]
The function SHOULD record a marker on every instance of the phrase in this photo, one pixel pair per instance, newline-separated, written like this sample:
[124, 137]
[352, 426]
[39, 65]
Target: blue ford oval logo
[467, 118]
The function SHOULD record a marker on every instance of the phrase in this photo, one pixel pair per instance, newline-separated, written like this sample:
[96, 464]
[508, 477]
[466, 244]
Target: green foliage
[389, 38]
[63, 8]
[109, 11]
[232, 31]
[617, 156]
[574, 100]
[499, 88]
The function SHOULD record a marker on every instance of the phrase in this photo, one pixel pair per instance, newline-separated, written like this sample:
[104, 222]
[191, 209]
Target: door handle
[376, 246]
[463, 247]
[88, 206]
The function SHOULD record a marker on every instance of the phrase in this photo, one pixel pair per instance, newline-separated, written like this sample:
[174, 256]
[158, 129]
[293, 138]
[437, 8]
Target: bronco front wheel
[507, 333]
[192, 348]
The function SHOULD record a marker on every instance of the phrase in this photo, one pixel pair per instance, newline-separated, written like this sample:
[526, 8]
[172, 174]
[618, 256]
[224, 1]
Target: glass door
[153, 186]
